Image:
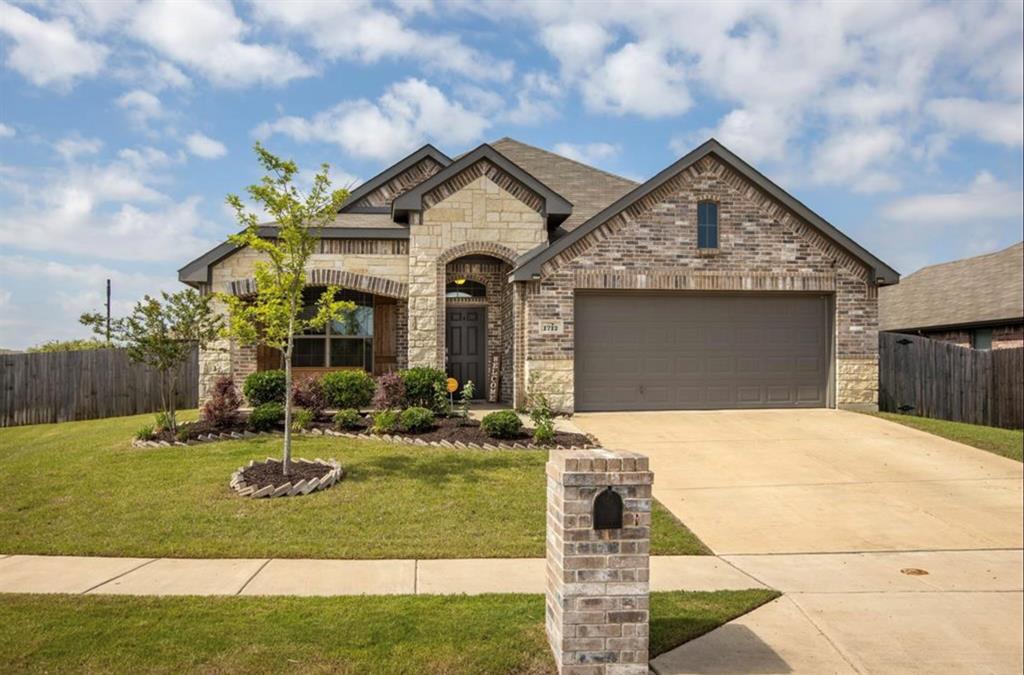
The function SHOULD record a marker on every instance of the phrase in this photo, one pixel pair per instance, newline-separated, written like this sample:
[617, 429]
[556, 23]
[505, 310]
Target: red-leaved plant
[390, 392]
[222, 408]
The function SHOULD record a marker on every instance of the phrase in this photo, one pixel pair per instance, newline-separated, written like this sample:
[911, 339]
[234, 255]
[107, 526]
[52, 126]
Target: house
[706, 286]
[975, 302]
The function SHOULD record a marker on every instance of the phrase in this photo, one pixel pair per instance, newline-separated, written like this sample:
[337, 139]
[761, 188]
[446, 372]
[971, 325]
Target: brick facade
[597, 601]
[1003, 337]
[653, 246]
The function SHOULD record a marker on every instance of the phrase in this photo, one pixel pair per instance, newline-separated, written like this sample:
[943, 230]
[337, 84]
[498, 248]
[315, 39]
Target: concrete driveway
[897, 551]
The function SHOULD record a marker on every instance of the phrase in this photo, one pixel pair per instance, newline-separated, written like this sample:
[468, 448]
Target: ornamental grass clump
[386, 422]
[302, 420]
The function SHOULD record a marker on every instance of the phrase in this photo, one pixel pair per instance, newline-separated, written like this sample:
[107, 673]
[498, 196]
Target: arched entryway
[478, 332]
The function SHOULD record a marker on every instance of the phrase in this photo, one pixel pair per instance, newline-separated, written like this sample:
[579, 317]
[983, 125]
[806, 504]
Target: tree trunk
[286, 461]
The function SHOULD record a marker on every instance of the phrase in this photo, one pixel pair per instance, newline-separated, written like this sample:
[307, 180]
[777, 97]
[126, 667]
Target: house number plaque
[552, 328]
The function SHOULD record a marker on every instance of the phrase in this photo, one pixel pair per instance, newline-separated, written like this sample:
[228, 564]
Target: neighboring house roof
[589, 189]
[556, 207]
[381, 179]
[531, 264]
[984, 289]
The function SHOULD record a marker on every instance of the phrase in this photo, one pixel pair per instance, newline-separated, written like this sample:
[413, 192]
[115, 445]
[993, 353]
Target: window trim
[715, 227]
[328, 335]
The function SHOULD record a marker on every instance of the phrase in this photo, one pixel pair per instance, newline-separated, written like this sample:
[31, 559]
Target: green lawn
[1005, 442]
[79, 488]
[372, 634]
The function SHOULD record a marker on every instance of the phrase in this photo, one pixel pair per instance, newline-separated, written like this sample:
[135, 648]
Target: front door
[466, 343]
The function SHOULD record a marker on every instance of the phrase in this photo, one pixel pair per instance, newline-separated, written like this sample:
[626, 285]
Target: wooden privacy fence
[938, 379]
[64, 386]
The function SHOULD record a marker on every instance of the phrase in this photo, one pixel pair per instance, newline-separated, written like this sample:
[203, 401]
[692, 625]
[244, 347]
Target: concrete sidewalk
[278, 576]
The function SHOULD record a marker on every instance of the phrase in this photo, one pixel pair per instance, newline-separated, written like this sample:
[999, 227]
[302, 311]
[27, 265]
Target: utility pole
[108, 312]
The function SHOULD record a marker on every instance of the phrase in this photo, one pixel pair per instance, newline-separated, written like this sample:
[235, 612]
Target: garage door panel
[637, 351]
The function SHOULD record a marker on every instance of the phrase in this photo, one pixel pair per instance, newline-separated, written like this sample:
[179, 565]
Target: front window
[344, 343]
[707, 225]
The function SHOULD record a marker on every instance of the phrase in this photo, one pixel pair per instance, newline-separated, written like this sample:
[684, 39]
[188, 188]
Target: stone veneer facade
[652, 246]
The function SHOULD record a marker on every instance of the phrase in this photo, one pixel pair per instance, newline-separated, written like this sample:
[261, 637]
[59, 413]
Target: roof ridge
[966, 260]
[568, 159]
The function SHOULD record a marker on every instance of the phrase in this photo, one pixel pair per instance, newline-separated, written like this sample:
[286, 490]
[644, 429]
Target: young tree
[274, 316]
[161, 334]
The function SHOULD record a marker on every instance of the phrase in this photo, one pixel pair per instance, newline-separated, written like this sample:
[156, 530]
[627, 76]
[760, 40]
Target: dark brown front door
[466, 343]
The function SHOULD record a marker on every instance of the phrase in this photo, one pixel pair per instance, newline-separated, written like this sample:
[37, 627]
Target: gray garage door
[638, 351]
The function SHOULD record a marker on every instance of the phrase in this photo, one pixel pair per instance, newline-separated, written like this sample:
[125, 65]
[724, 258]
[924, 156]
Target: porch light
[459, 282]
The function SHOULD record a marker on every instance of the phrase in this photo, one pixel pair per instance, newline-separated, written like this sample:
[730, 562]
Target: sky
[123, 125]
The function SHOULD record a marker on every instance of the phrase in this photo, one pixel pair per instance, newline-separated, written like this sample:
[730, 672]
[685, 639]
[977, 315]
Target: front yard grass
[1005, 442]
[368, 634]
[79, 488]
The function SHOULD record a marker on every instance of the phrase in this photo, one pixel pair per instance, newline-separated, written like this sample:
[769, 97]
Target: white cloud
[364, 32]
[989, 120]
[588, 153]
[637, 79]
[7, 131]
[209, 37]
[71, 147]
[986, 198]
[48, 53]
[408, 115]
[852, 157]
[203, 146]
[141, 106]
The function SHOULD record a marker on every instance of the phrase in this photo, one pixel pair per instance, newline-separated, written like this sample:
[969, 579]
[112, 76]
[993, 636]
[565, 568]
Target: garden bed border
[289, 489]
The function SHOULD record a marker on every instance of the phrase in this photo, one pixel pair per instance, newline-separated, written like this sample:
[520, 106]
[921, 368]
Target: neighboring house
[706, 286]
[975, 302]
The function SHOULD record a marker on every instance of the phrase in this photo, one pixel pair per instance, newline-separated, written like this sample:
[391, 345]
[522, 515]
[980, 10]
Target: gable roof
[556, 207]
[532, 263]
[983, 289]
[588, 188]
[393, 171]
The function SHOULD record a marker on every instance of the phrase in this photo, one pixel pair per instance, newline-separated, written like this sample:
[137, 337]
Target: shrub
[442, 400]
[266, 386]
[144, 433]
[302, 419]
[390, 392]
[266, 417]
[417, 419]
[421, 384]
[222, 408]
[386, 422]
[465, 398]
[348, 388]
[543, 419]
[502, 424]
[186, 432]
[349, 418]
[309, 394]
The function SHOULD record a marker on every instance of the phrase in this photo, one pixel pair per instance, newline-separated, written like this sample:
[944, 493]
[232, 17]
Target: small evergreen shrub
[421, 384]
[348, 388]
[309, 394]
[390, 392]
[502, 424]
[302, 419]
[266, 386]
[222, 408]
[386, 422]
[543, 419]
[144, 433]
[266, 417]
[417, 419]
[348, 418]
[442, 400]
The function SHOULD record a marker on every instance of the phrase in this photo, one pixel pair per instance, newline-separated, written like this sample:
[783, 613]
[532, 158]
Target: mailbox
[607, 510]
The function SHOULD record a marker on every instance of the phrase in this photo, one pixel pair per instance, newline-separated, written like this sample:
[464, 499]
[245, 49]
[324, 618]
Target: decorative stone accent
[554, 378]
[403, 182]
[334, 277]
[858, 383]
[302, 487]
[598, 580]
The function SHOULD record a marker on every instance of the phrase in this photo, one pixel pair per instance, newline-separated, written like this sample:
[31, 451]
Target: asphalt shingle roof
[589, 189]
[973, 290]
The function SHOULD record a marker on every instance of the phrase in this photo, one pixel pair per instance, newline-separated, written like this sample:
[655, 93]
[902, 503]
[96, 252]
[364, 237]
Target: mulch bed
[267, 473]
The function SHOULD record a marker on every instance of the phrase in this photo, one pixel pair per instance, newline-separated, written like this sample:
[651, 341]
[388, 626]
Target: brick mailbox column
[598, 561]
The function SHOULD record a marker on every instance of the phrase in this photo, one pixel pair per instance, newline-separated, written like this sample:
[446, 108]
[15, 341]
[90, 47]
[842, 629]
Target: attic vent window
[464, 288]
[707, 224]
